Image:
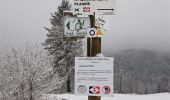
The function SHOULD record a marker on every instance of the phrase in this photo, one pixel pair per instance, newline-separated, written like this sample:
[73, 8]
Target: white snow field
[161, 96]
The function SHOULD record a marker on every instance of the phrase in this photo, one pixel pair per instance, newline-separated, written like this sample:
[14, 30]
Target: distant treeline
[143, 72]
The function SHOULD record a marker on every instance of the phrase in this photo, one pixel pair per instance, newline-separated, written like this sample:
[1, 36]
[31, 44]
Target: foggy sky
[24, 20]
[0, 20]
[137, 23]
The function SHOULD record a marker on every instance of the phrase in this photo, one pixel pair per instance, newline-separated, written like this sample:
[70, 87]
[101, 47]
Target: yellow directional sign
[99, 33]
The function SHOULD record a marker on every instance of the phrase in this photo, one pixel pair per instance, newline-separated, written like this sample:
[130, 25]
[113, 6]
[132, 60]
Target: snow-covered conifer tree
[63, 49]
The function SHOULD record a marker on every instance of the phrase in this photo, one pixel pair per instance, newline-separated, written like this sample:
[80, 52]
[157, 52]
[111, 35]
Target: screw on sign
[86, 9]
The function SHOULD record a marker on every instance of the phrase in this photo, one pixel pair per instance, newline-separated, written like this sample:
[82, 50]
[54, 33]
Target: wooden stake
[94, 98]
[93, 48]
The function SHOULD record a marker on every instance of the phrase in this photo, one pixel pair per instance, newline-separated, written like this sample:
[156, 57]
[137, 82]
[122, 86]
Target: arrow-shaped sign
[105, 9]
[68, 25]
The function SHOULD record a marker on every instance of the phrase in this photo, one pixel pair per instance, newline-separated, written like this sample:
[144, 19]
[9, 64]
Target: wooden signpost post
[93, 48]
[87, 7]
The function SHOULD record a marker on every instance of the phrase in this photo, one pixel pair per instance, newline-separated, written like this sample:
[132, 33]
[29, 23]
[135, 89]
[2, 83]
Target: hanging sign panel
[100, 22]
[88, 7]
[94, 76]
[76, 27]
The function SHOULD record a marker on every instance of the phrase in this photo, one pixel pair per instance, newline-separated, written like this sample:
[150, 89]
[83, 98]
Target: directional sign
[68, 25]
[94, 76]
[76, 27]
[100, 22]
[88, 7]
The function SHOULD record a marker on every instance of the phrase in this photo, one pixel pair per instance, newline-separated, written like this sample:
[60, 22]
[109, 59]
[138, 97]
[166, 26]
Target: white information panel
[94, 76]
[88, 7]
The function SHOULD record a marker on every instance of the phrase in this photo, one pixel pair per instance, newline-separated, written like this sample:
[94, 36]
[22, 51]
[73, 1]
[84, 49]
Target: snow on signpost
[94, 76]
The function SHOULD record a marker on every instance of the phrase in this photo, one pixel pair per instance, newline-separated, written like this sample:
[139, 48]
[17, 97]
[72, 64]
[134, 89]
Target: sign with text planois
[94, 76]
[88, 7]
[76, 27]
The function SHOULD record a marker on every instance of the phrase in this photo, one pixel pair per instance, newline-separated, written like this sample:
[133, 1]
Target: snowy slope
[162, 96]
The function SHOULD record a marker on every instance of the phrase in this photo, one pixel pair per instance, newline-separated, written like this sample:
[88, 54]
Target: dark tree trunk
[31, 97]
[30, 89]
[68, 84]
[159, 87]
[120, 84]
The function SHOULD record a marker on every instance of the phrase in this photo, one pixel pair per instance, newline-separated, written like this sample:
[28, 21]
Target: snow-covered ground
[161, 96]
